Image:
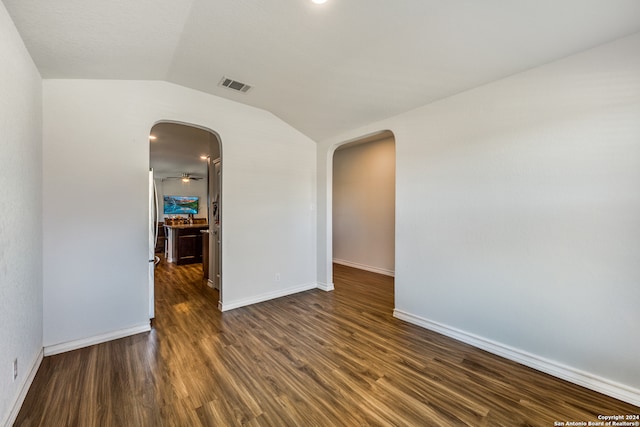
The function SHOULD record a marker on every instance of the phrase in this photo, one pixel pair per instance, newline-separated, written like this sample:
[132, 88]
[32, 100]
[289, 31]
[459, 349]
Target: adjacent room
[308, 212]
[364, 200]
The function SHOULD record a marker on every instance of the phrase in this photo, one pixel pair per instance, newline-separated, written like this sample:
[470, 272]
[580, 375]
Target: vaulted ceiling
[324, 69]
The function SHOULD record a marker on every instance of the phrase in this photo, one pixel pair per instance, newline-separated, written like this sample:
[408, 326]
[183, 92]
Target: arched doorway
[362, 204]
[185, 175]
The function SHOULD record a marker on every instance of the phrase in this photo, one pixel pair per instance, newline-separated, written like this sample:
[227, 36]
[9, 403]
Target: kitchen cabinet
[185, 243]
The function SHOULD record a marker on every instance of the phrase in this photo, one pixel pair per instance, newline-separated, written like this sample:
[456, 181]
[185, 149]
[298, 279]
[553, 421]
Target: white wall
[364, 184]
[175, 187]
[21, 218]
[96, 148]
[518, 215]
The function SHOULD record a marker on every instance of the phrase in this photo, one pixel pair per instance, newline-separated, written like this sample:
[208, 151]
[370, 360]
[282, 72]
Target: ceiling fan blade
[184, 177]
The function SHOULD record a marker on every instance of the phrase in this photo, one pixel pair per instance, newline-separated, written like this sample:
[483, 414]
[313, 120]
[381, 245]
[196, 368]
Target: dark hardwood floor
[311, 359]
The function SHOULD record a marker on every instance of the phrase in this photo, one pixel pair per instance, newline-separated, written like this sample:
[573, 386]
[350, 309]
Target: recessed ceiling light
[319, 1]
[153, 138]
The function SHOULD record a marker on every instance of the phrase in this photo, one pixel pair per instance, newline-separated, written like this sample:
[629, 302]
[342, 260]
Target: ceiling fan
[185, 177]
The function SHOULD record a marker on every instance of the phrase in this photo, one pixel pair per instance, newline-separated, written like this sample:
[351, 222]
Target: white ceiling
[177, 148]
[324, 69]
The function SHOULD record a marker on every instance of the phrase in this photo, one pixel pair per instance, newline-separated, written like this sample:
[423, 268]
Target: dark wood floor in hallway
[311, 359]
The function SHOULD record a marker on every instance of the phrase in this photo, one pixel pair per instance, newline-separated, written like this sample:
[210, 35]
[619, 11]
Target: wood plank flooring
[311, 359]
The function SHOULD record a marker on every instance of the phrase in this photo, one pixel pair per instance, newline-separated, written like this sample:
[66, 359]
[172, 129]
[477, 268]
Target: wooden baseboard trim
[25, 389]
[365, 267]
[266, 297]
[86, 342]
[585, 379]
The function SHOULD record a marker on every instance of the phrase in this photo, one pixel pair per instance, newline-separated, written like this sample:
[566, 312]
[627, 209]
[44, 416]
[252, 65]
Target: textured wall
[21, 217]
[99, 150]
[518, 211]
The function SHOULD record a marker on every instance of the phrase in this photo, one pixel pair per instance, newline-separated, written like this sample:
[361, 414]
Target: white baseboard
[585, 379]
[50, 350]
[266, 297]
[25, 389]
[327, 287]
[365, 267]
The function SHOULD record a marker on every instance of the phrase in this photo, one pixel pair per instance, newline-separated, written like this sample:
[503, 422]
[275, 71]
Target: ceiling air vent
[234, 84]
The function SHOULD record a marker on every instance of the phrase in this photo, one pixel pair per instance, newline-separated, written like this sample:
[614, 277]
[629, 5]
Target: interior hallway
[315, 358]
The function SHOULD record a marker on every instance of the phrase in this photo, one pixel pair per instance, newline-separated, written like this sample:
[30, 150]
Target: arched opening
[363, 204]
[185, 163]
